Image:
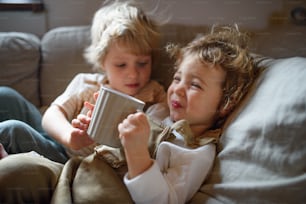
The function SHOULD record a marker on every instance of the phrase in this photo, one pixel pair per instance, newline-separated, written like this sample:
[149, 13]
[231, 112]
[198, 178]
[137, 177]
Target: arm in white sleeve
[175, 176]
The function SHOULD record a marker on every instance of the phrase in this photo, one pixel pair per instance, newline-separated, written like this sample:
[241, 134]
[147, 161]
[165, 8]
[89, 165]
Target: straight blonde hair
[124, 23]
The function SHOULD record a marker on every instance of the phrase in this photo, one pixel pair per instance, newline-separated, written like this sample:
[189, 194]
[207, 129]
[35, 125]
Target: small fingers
[96, 94]
[90, 108]
[83, 118]
[136, 116]
[75, 122]
[89, 105]
[80, 122]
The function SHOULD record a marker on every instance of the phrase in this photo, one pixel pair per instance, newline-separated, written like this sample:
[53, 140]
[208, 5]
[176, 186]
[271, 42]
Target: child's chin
[175, 118]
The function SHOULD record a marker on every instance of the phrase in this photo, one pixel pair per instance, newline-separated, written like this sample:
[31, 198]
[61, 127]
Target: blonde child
[123, 48]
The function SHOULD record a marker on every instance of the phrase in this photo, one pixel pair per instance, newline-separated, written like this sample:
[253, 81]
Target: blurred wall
[254, 14]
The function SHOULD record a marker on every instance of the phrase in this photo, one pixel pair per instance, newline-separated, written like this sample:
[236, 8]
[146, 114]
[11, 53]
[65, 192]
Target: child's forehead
[194, 66]
[124, 47]
[122, 52]
[129, 46]
[194, 60]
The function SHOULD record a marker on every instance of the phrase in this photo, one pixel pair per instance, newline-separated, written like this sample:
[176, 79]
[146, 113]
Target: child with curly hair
[213, 73]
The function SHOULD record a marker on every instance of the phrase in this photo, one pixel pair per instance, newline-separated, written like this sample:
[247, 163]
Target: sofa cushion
[262, 157]
[62, 53]
[19, 57]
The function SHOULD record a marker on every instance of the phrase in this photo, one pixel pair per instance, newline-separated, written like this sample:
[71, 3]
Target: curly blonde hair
[227, 47]
[124, 23]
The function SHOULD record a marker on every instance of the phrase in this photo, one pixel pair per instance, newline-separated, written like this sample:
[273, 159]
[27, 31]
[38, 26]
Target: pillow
[263, 148]
[19, 57]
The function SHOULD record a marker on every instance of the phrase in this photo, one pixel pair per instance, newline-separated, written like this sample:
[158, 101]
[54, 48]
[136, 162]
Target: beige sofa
[262, 156]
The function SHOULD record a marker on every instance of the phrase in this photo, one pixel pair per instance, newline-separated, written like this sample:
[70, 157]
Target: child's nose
[179, 89]
[133, 72]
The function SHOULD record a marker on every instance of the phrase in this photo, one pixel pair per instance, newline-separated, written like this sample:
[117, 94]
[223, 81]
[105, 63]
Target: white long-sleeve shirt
[175, 176]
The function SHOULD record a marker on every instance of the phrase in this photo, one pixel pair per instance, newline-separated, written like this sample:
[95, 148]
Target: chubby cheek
[112, 75]
[145, 76]
[169, 94]
[144, 80]
[205, 111]
[115, 83]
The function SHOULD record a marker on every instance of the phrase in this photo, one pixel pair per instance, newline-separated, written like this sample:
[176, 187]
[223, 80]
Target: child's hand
[134, 133]
[81, 122]
[78, 136]
[90, 106]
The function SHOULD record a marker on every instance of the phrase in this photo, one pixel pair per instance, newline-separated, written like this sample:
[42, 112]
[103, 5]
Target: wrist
[138, 162]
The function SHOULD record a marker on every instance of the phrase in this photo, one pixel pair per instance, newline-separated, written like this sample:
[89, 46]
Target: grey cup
[111, 108]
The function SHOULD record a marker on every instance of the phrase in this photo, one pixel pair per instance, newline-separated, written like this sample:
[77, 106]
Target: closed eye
[121, 65]
[142, 64]
[176, 79]
[196, 85]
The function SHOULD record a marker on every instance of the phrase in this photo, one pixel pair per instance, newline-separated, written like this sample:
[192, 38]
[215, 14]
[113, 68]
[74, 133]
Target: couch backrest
[19, 63]
[62, 58]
